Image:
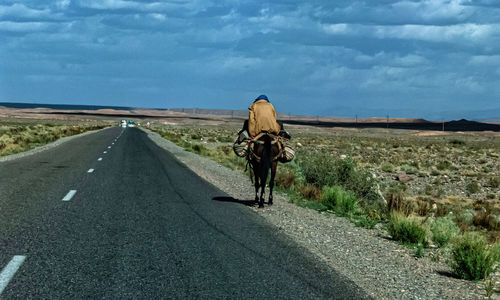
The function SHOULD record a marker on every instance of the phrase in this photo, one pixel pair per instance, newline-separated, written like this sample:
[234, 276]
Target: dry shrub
[310, 192]
[374, 215]
[442, 210]
[226, 149]
[484, 219]
[397, 202]
[485, 215]
[480, 203]
[494, 236]
[423, 208]
[285, 180]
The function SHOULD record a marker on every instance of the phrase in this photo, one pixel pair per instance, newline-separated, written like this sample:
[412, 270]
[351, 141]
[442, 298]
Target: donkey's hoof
[270, 202]
[261, 205]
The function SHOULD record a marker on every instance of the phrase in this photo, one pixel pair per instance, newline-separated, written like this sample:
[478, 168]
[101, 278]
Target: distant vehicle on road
[123, 123]
[131, 124]
[148, 124]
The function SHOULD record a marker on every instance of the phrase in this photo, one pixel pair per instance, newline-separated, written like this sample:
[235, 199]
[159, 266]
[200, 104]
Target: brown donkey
[264, 156]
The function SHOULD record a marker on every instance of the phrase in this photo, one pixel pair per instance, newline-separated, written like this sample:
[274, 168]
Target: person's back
[262, 117]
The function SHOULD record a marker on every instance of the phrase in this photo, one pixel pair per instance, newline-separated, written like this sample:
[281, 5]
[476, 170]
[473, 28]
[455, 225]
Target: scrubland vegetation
[16, 138]
[437, 194]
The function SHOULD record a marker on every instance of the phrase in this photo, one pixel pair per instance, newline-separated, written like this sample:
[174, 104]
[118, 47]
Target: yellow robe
[262, 117]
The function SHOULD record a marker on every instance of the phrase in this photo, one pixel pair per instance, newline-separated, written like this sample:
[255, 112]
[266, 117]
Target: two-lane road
[140, 225]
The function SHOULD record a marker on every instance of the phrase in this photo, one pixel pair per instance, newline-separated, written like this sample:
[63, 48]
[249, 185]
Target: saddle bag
[240, 149]
[288, 155]
[242, 136]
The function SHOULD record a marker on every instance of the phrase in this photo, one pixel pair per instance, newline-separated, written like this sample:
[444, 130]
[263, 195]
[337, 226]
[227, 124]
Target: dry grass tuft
[285, 180]
[310, 192]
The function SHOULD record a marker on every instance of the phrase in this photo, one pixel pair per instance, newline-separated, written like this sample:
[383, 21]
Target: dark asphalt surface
[142, 226]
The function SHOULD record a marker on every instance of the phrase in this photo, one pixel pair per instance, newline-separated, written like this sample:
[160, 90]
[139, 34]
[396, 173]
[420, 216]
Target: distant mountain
[466, 125]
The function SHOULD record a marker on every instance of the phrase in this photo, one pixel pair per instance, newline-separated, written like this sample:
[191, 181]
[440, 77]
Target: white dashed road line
[99, 159]
[9, 271]
[90, 171]
[69, 195]
[109, 147]
[105, 152]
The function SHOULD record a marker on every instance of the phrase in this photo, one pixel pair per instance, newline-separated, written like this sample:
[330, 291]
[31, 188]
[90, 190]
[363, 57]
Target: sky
[435, 59]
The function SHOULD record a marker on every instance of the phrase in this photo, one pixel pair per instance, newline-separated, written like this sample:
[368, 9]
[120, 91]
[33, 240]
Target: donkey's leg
[256, 177]
[262, 191]
[274, 166]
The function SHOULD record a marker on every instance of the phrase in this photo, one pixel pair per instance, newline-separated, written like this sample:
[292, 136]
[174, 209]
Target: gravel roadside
[46, 146]
[381, 267]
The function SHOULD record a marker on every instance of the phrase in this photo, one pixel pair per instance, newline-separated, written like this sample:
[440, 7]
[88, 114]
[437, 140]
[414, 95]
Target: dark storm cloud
[343, 57]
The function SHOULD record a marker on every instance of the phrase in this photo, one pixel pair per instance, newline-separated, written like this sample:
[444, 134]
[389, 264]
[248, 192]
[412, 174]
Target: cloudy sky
[431, 58]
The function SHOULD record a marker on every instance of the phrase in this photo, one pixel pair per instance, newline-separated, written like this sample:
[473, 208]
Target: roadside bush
[322, 169]
[387, 168]
[472, 187]
[409, 169]
[472, 258]
[406, 230]
[173, 137]
[443, 230]
[365, 221]
[341, 201]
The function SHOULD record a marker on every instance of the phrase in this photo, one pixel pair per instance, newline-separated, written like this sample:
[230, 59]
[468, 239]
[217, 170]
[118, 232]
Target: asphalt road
[141, 225]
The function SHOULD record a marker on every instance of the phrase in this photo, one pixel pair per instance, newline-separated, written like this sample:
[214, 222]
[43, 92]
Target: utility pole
[356, 120]
[443, 125]
[387, 121]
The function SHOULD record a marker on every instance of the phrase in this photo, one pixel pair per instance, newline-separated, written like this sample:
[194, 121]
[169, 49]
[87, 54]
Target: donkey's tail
[265, 160]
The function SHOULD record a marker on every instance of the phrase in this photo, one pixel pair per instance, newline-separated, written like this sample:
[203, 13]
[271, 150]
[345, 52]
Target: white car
[124, 123]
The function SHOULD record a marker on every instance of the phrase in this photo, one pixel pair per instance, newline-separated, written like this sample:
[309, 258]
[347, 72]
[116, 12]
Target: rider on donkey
[262, 118]
[261, 142]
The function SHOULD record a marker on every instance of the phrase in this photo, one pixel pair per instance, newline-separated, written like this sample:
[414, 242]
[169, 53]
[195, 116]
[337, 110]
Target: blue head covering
[262, 97]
